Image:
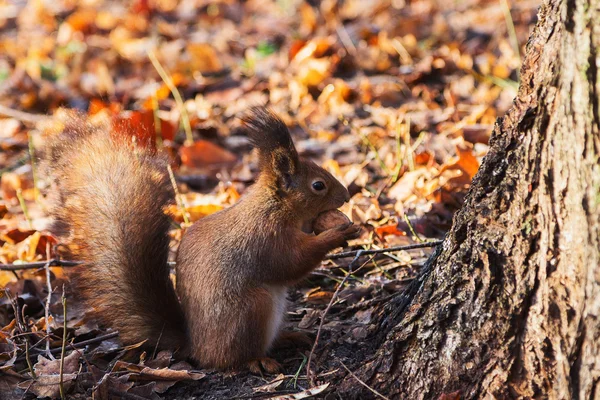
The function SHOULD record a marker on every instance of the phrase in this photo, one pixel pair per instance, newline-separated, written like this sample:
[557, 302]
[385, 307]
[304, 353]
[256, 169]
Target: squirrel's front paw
[340, 234]
[351, 231]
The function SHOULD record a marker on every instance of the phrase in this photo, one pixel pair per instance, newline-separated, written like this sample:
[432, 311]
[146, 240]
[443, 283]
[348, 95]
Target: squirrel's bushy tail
[110, 209]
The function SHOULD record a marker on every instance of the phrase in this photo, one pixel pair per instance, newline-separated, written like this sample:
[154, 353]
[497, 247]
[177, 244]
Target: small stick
[20, 327]
[40, 264]
[90, 341]
[158, 341]
[22, 115]
[36, 191]
[80, 344]
[47, 308]
[178, 197]
[309, 375]
[185, 119]
[336, 256]
[24, 207]
[363, 383]
[412, 230]
[345, 38]
[31, 371]
[64, 344]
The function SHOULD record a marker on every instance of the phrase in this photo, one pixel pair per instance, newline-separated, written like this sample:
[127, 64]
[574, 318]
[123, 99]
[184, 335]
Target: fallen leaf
[391, 229]
[303, 394]
[271, 386]
[8, 350]
[204, 58]
[319, 297]
[309, 319]
[204, 153]
[47, 382]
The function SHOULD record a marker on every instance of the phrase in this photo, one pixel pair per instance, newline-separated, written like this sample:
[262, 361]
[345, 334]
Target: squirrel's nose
[347, 198]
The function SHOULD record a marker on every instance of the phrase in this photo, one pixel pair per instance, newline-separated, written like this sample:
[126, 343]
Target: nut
[329, 219]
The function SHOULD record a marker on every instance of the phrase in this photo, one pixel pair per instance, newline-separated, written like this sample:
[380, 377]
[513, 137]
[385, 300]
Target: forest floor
[396, 98]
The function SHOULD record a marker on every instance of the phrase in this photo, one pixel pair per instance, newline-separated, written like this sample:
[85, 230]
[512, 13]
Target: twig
[158, 341]
[22, 328]
[345, 38]
[31, 370]
[22, 115]
[39, 264]
[432, 243]
[510, 27]
[185, 119]
[412, 230]
[47, 308]
[67, 264]
[363, 383]
[79, 345]
[36, 194]
[24, 207]
[178, 197]
[309, 375]
[157, 124]
[64, 344]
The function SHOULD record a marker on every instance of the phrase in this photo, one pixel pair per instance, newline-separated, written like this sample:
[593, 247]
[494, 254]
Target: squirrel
[233, 267]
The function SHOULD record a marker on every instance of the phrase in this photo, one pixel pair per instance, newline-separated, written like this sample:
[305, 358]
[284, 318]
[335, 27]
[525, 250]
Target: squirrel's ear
[272, 138]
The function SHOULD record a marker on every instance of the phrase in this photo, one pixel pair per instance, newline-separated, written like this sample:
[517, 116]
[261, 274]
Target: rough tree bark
[509, 307]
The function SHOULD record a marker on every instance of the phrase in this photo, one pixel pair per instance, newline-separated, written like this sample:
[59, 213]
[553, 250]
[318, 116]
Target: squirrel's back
[110, 200]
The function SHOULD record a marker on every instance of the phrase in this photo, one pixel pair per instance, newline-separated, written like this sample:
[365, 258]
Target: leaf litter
[395, 98]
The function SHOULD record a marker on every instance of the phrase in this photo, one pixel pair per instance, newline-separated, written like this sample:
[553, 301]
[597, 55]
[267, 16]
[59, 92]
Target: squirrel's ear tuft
[269, 134]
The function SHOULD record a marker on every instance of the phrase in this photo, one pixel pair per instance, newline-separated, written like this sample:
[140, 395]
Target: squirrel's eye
[318, 186]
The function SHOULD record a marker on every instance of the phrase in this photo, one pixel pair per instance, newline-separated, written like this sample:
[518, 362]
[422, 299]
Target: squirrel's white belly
[279, 296]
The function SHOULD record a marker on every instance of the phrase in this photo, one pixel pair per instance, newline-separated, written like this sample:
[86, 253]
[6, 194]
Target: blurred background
[396, 98]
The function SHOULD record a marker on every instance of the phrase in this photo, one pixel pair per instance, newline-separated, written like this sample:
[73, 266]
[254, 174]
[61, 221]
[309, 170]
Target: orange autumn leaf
[82, 20]
[391, 229]
[204, 153]
[467, 162]
[204, 57]
[137, 124]
[296, 46]
[319, 297]
[97, 105]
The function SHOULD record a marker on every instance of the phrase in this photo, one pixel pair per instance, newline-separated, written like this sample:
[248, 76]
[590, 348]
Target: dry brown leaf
[47, 382]
[8, 350]
[45, 366]
[204, 58]
[48, 385]
[405, 186]
[271, 386]
[310, 318]
[167, 374]
[314, 71]
[303, 394]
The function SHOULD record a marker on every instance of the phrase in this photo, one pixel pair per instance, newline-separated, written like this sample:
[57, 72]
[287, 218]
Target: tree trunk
[509, 307]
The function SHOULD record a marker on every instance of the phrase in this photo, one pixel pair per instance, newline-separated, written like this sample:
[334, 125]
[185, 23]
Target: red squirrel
[233, 267]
